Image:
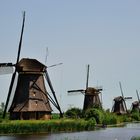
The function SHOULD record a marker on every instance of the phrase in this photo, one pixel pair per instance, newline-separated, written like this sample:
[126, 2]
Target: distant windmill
[31, 99]
[91, 94]
[119, 106]
[136, 104]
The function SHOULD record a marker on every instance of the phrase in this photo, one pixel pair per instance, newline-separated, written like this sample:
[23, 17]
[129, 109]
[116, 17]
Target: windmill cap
[136, 103]
[91, 91]
[30, 65]
[119, 98]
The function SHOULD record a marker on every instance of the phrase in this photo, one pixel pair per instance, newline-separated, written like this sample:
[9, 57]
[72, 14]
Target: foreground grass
[41, 126]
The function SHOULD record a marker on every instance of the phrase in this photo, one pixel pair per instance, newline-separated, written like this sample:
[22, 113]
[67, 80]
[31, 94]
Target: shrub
[135, 138]
[74, 113]
[94, 113]
[91, 124]
[125, 118]
[135, 116]
[110, 118]
[55, 116]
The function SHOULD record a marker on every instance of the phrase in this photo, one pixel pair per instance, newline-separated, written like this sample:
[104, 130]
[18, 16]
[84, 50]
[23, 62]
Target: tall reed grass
[41, 126]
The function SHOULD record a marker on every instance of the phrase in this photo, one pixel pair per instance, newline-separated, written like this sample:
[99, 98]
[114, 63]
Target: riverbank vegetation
[135, 138]
[42, 126]
[104, 117]
[74, 120]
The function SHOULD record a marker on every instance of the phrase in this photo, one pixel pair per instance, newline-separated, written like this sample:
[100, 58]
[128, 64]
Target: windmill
[31, 99]
[119, 106]
[136, 104]
[91, 94]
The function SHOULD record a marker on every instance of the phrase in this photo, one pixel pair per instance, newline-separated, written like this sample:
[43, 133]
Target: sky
[102, 33]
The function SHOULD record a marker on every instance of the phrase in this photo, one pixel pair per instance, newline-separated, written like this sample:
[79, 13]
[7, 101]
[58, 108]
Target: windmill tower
[136, 104]
[91, 94]
[31, 99]
[119, 106]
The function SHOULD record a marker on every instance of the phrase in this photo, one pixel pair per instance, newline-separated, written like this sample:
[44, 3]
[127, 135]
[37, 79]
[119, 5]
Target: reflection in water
[122, 133]
[24, 137]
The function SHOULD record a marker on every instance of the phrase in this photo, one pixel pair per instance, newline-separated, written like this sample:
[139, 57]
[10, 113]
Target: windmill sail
[6, 70]
[21, 36]
[138, 96]
[14, 74]
[123, 96]
[76, 90]
[87, 76]
[53, 92]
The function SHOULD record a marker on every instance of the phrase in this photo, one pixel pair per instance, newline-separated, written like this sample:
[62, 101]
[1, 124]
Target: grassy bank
[40, 126]
[74, 120]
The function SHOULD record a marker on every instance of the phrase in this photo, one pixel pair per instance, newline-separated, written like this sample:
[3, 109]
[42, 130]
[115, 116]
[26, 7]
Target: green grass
[41, 126]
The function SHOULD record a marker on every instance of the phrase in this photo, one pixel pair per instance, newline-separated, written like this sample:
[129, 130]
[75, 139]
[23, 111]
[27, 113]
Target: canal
[116, 133]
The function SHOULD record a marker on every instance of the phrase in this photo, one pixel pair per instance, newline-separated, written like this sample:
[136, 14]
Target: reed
[40, 126]
[110, 118]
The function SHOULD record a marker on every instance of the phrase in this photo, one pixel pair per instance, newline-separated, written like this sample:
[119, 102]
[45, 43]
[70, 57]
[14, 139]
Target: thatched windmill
[91, 94]
[119, 106]
[136, 104]
[31, 99]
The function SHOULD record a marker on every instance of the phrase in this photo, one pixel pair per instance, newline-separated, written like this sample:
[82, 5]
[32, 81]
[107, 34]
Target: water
[118, 133]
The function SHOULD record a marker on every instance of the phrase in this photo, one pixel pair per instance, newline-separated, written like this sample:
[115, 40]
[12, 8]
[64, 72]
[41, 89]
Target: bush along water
[102, 117]
[74, 113]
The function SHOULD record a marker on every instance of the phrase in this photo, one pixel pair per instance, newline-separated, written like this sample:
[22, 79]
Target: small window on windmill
[36, 103]
[34, 93]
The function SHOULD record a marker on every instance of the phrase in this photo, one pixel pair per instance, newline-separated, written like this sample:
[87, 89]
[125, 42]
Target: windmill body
[136, 104]
[119, 106]
[30, 99]
[91, 98]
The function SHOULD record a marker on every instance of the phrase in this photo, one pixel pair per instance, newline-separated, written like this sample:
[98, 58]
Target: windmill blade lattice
[87, 76]
[14, 74]
[53, 92]
[6, 70]
[138, 96]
